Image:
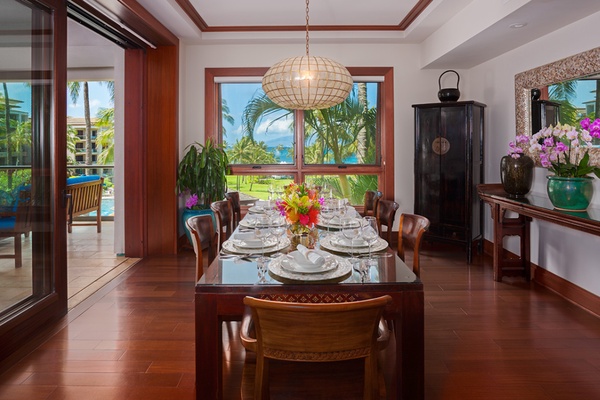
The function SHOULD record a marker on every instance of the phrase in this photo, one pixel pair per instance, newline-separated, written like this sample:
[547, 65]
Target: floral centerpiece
[300, 204]
[563, 150]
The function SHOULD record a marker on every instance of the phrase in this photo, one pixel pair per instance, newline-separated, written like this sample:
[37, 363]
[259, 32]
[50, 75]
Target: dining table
[231, 276]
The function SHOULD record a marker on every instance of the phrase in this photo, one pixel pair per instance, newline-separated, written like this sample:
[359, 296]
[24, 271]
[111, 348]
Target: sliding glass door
[28, 202]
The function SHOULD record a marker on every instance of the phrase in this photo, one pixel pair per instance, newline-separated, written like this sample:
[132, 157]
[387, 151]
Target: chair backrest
[204, 239]
[371, 200]
[234, 198]
[410, 232]
[224, 214]
[386, 214]
[316, 332]
[23, 218]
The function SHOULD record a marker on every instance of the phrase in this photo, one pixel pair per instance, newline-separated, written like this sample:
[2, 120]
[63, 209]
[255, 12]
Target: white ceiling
[452, 33]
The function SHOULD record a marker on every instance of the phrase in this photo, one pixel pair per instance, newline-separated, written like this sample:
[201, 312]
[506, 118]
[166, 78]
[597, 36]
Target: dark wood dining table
[219, 297]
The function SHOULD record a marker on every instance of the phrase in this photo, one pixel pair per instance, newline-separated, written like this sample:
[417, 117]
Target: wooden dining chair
[386, 214]
[410, 232]
[224, 214]
[204, 240]
[234, 198]
[315, 332]
[16, 222]
[371, 200]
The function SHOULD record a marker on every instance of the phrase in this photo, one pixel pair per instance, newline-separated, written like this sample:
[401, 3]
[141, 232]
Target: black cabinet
[448, 166]
[543, 114]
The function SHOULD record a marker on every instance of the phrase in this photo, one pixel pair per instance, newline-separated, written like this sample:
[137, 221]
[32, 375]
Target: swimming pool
[108, 207]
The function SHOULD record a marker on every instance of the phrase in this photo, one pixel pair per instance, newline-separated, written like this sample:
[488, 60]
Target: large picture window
[345, 149]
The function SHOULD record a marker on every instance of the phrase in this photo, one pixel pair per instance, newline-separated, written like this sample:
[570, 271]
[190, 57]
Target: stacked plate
[290, 268]
[340, 244]
[255, 246]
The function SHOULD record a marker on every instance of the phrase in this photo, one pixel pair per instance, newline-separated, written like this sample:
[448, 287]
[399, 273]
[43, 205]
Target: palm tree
[71, 144]
[333, 131]
[74, 88]
[565, 93]
[227, 117]
[106, 135]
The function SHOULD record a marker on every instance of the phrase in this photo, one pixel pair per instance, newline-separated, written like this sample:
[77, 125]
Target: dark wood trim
[134, 16]
[575, 294]
[135, 162]
[162, 150]
[414, 13]
[26, 320]
[386, 170]
[201, 24]
[191, 12]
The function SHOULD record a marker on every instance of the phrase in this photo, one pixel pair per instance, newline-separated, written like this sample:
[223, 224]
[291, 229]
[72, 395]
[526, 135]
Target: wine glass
[271, 192]
[370, 233]
[328, 212]
[262, 230]
[351, 230]
[278, 228]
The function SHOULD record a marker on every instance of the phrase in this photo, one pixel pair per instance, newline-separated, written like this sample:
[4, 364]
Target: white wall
[567, 253]
[411, 86]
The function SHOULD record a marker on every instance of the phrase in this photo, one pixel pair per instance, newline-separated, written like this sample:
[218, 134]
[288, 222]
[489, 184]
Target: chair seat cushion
[83, 178]
[7, 224]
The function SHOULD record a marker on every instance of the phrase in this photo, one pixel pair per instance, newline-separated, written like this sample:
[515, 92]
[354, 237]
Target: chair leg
[18, 251]
[261, 381]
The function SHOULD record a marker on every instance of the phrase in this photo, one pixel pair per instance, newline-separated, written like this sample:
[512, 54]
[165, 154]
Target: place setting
[309, 265]
[266, 237]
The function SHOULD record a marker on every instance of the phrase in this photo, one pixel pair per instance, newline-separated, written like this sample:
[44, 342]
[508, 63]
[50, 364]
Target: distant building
[78, 123]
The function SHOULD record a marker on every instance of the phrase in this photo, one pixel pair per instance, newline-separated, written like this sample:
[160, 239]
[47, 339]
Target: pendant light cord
[307, 28]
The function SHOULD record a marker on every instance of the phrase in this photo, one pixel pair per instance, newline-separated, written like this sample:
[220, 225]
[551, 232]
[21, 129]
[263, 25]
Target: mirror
[577, 66]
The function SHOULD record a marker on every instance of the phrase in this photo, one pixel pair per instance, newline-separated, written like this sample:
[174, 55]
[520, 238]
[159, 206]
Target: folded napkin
[249, 238]
[312, 257]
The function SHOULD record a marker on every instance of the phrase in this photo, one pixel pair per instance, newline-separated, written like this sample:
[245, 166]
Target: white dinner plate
[342, 271]
[328, 244]
[230, 247]
[256, 210]
[254, 243]
[292, 263]
[339, 240]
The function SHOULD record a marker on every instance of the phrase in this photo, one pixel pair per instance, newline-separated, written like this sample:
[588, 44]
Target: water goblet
[370, 234]
[351, 230]
[262, 230]
[328, 212]
[279, 228]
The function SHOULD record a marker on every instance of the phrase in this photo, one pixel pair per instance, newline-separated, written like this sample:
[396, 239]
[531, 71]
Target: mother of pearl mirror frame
[577, 66]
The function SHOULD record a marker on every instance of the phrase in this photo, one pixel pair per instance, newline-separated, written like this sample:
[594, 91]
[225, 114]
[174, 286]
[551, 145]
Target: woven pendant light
[307, 82]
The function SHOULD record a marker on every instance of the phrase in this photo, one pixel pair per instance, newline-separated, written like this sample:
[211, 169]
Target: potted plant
[201, 178]
[563, 150]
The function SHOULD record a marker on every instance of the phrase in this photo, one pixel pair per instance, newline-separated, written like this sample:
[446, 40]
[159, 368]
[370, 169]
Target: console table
[531, 206]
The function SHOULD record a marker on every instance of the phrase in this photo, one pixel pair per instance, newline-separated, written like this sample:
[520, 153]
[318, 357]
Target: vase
[306, 238]
[570, 194]
[516, 175]
[187, 213]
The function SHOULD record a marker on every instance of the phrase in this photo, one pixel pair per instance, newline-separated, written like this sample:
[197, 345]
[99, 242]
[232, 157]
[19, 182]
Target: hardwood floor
[134, 339]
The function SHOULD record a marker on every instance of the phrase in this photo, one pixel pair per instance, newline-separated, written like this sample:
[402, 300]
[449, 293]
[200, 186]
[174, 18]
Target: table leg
[208, 349]
[410, 345]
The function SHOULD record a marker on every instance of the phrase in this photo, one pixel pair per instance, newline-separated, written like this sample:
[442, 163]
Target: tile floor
[91, 264]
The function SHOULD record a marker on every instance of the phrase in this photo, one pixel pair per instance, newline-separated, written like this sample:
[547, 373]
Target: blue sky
[238, 95]
[99, 98]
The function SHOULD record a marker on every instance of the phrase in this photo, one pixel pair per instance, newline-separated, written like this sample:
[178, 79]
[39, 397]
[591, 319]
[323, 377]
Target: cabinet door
[453, 171]
[427, 165]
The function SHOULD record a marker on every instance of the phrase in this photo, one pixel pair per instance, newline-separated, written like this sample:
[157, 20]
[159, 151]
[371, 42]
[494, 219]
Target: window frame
[384, 169]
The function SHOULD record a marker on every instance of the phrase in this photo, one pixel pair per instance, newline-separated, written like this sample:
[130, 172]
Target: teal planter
[187, 213]
[570, 194]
